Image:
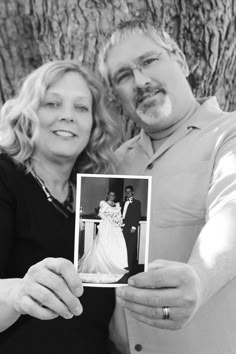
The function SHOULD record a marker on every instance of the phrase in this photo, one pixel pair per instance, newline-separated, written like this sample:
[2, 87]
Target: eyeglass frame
[139, 66]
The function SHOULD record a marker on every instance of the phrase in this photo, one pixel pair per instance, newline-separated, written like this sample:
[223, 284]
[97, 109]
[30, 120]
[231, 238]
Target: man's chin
[154, 114]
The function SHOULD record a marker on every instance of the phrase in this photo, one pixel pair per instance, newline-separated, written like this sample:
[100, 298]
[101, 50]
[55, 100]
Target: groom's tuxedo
[131, 219]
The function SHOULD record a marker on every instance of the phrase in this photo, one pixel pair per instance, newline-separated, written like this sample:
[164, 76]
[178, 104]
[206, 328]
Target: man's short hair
[129, 187]
[136, 26]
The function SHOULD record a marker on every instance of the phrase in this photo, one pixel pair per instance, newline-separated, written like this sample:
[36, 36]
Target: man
[131, 212]
[189, 147]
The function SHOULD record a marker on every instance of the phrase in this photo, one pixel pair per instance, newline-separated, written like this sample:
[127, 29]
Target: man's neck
[162, 134]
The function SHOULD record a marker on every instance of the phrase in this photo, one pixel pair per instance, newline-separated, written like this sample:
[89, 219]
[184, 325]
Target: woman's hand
[49, 289]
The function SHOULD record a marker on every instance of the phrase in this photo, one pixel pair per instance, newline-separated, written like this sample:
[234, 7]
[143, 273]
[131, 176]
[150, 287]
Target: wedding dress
[106, 259]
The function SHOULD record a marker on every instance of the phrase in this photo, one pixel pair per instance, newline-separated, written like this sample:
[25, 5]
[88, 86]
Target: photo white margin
[77, 209]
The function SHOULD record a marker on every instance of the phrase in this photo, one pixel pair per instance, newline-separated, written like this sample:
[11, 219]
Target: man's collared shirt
[126, 207]
[194, 176]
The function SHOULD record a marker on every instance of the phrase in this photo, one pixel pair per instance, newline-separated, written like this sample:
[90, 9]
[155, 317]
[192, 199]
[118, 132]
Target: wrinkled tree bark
[35, 31]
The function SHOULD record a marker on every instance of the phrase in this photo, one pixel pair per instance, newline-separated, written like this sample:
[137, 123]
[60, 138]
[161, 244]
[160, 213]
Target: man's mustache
[142, 93]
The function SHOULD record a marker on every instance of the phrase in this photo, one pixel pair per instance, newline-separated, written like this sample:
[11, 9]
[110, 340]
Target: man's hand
[166, 284]
[49, 289]
[133, 229]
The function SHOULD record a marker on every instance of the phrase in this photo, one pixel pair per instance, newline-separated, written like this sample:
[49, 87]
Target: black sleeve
[137, 213]
[7, 221]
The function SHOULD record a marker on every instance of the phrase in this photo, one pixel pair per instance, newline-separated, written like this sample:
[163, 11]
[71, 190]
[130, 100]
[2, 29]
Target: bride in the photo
[106, 259]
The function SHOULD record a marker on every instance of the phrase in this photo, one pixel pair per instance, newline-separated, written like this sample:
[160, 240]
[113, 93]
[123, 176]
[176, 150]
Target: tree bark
[19, 53]
[35, 31]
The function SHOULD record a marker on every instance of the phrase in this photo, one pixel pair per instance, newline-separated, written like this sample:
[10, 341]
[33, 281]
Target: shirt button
[150, 166]
[138, 347]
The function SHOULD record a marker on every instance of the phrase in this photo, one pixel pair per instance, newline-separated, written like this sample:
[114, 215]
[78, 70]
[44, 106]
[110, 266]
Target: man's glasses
[144, 65]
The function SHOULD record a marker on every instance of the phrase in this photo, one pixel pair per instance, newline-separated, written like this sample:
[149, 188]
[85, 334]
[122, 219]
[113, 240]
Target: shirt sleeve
[102, 209]
[7, 224]
[137, 214]
[222, 188]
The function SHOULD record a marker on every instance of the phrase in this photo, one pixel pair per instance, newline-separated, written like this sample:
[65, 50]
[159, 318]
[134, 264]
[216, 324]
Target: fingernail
[79, 291]
[68, 316]
[78, 310]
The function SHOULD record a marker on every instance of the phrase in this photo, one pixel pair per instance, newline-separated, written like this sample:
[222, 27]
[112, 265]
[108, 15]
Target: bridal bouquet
[114, 218]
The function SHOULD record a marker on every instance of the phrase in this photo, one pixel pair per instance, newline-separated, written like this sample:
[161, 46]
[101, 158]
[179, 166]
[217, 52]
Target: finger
[157, 278]
[30, 307]
[58, 285]
[161, 263]
[151, 297]
[67, 270]
[156, 313]
[48, 299]
[163, 324]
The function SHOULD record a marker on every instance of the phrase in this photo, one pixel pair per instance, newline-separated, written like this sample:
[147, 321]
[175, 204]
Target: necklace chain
[67, 204]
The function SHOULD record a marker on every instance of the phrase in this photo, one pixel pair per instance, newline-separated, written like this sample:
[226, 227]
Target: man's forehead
[128, 49]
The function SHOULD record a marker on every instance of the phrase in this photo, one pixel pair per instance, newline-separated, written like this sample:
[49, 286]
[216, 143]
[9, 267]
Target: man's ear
[181, 60]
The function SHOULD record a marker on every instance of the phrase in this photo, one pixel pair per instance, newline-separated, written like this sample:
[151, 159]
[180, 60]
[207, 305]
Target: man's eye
[149, 61]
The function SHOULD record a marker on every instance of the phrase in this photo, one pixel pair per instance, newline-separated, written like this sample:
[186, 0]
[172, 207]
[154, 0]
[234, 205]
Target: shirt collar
[208, 110]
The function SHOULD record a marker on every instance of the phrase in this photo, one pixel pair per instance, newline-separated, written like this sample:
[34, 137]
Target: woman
[106, 260]
[52, 129]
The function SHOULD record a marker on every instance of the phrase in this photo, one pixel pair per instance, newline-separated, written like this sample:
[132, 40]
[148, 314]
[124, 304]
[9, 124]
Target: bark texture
[35, 31]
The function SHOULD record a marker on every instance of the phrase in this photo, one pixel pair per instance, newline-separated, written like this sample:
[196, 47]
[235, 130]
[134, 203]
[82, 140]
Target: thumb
[160, 263]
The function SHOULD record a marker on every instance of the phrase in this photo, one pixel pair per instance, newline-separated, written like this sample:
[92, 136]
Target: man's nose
[140, 78]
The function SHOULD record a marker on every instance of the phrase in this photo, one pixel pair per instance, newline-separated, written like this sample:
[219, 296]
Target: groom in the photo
[131, 212]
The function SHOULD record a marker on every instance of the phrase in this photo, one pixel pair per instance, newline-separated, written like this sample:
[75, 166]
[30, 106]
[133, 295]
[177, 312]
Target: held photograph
[111, 228]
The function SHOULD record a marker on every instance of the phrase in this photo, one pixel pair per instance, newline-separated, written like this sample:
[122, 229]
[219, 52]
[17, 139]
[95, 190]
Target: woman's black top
[32, 229]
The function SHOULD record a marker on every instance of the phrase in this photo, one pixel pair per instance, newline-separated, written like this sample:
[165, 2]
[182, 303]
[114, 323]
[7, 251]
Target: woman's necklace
[63, 208]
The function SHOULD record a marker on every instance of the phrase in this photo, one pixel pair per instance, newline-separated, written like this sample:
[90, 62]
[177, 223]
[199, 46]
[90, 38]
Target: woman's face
[112, 196]
[65, 117]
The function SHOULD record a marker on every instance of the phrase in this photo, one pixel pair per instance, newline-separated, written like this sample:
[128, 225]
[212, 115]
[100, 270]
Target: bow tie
[129, 199]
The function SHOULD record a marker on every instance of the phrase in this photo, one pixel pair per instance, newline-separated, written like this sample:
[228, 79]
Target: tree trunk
[35, 31]
[19, 53]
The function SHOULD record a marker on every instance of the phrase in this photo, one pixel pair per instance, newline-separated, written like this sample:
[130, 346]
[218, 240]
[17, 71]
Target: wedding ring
[166, 313]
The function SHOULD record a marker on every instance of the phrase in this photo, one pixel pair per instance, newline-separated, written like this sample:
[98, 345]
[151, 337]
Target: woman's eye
[81, 108]
[52, 104]
[124, 76]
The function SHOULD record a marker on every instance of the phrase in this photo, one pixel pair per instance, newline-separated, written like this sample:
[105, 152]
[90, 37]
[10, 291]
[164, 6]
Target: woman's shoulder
[102, 203]
[8, 166]
[11, 174]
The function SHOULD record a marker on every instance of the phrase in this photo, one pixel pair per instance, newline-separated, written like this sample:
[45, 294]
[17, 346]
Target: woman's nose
[67, 114]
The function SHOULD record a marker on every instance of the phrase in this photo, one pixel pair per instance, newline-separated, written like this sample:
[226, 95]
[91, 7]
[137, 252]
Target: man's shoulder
[137, 201]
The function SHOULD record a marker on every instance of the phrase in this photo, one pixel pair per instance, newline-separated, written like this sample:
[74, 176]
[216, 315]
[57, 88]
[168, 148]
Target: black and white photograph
[112, 228]
[137, 99]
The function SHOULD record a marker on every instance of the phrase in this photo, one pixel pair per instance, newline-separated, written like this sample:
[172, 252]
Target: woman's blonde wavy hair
[19, 124]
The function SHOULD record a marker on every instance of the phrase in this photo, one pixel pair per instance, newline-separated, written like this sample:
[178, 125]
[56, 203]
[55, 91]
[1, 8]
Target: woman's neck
[54, 175]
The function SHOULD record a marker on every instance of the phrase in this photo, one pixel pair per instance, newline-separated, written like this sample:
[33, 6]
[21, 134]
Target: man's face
[149, 82]
[129, 193]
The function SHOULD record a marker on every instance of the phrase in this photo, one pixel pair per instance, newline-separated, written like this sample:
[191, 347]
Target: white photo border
[77, 219]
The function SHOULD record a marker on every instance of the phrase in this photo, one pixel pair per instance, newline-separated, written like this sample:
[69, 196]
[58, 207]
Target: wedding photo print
[112, 228]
